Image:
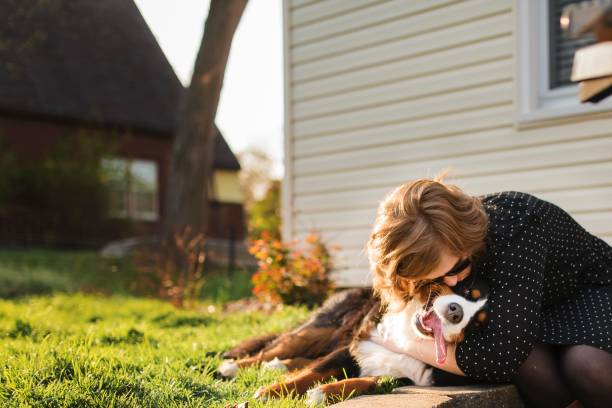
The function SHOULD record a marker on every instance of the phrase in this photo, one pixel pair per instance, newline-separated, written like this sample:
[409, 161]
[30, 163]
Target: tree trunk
[192, 150]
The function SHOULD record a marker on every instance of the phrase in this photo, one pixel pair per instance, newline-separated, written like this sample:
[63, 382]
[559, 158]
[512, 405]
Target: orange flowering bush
[292, 273]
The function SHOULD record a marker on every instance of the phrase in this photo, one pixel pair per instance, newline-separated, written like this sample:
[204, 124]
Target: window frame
[536, 101]
[130, 211]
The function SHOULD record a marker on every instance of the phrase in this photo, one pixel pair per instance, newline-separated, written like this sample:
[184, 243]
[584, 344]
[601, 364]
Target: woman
[550, 328]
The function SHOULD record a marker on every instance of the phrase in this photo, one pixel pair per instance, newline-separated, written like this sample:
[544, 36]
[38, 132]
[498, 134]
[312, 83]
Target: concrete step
[485, 396]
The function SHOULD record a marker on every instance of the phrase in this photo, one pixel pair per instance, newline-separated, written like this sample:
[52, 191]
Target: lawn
[60, 347]
[45, 271]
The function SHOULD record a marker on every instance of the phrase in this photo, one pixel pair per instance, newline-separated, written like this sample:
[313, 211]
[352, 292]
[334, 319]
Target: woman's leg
[588, 372]
[539, 379]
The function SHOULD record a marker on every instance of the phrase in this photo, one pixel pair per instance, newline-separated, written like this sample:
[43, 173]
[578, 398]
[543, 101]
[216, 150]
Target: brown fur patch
[296, 363]
[457, 338]
[348, 387]
[427, 293]
[481, 316]
[308, 343]
[332, 327]
[250, 346]
[296, 384]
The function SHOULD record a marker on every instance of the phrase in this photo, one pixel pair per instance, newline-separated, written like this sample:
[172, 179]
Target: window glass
[133, 188]
[144, 175]
[144, 203]
[562, 49]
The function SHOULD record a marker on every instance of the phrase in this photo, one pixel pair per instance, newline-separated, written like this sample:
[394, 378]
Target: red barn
[71, 66]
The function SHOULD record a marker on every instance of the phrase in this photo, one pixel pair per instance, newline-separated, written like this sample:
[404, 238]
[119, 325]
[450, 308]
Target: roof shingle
[89, 61]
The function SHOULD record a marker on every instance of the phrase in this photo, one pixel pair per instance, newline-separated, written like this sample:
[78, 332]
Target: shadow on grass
[40, 272]
[187, 321]
[133, 336]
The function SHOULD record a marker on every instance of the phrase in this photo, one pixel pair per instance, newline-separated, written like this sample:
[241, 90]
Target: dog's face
[448, 313]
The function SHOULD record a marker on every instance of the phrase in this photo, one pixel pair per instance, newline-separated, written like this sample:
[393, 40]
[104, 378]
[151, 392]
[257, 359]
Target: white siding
[381, 92]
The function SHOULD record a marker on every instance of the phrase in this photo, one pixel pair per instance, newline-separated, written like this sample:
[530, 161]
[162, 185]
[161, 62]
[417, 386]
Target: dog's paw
[228, 369]
[262, 394]
[315, 397]
[278, 390]
[275, 364]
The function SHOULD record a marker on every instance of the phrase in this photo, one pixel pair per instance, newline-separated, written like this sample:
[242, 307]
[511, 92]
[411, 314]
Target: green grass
[35, 272]
[26, 272]
[62, 347]
[86, 350]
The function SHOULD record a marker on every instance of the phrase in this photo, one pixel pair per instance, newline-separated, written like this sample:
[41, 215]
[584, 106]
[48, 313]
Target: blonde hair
[414, 224]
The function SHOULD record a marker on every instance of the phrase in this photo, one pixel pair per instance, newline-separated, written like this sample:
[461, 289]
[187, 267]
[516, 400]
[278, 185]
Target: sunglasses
[455, 270]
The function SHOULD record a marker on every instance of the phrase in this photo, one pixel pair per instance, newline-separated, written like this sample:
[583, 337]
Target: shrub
[265, 214]
[173, 270]
[292, 273]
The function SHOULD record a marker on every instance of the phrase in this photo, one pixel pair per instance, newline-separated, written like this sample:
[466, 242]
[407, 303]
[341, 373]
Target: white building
[381, 92]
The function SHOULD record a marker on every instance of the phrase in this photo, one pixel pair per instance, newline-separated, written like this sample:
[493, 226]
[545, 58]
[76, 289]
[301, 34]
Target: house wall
[381, 92]
[34, 138]
[226, 187]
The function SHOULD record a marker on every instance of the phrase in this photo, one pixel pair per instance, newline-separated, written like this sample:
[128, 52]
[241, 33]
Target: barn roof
[91, 62]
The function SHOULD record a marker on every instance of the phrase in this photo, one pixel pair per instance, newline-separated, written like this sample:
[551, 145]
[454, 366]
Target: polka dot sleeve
[515, 302]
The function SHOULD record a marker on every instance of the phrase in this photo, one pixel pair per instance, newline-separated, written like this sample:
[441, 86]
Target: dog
[349, 337]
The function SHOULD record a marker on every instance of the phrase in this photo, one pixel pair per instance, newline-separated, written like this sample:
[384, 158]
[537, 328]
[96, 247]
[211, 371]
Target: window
[133, 188]
[545, 59]
[562, 49]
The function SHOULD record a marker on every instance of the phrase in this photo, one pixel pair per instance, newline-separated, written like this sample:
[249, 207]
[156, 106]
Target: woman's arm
[424, 350]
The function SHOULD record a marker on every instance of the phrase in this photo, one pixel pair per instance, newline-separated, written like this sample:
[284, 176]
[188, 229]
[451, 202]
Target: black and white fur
[353, 336]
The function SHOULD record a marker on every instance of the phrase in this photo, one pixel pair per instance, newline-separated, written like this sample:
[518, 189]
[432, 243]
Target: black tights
[554, 376]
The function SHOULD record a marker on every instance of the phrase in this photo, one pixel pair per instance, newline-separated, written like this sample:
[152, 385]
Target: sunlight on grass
[60, 347]
[83, 350]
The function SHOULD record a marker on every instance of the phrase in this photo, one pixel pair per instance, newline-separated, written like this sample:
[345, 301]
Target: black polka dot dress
[550, 281]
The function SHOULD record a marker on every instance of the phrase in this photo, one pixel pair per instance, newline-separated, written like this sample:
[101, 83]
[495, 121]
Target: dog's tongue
[433, 322]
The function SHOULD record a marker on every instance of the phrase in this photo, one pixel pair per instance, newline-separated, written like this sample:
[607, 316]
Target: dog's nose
[454, 313]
